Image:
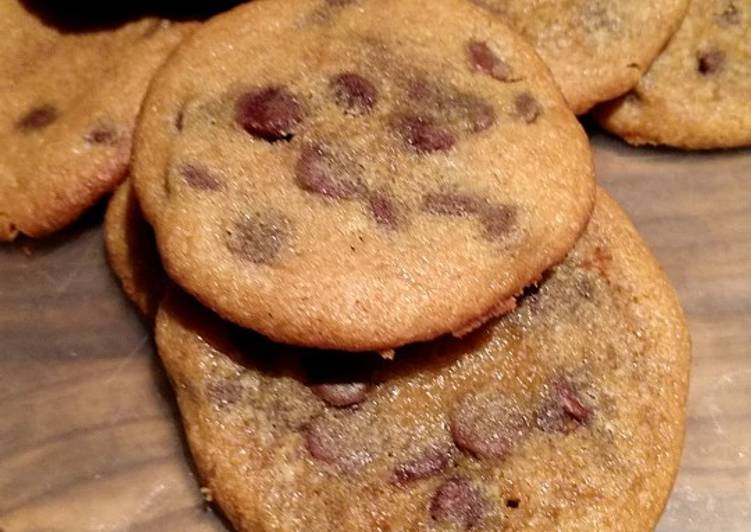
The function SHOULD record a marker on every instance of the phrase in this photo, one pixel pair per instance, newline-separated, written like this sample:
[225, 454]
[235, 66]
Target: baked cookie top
[596, 49]
[565, 414]
[696, 94]
[70, 96]
[131, 251]
[359, 174]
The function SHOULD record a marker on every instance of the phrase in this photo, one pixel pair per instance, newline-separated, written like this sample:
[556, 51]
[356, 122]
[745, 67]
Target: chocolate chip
[383, 209]
[223, 392]
[333, 441]
[319, 172]
[485, 60]
[486, 427]
[199, 177]
[180, 120]
[37, 118]
[480, 113]
[258, 238]
[527, 107]
[450, 204]
[497, 220]
[430, 463]
[271, 113]
[102, 134]
[710, 62]
[341, 394]
[731, 16]
[457, 501]
[423, 135]
[563, 411]
[354, 91]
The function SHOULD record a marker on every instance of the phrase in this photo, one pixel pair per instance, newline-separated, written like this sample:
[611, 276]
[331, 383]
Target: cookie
[365, 181]
[70, 96]
[131, 251]
[596, 49]
[696, 94]
[566, 414]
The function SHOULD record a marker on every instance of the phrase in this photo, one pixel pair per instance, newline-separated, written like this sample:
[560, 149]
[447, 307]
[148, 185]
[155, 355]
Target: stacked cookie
[394, 297]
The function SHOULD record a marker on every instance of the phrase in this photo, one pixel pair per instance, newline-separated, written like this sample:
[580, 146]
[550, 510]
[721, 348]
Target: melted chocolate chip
[318, 172]
[271, 113]
[423, 135]
[180, 120]
[224, 392]
[353, 91]
[480, 114]
[341, 394]
[383, 209]
[330, 441]
[102, 134]
[527, 107]
[259, 238]
[486, 429]
[485, 60]
[710, 62]
[37, 118]
[497, 220]
[199, 177]
[430, 463]
[450, 204]
[564, 411]
[457, 501]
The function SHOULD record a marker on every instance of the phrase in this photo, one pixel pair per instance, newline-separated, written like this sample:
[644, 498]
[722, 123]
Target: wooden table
[90, 439]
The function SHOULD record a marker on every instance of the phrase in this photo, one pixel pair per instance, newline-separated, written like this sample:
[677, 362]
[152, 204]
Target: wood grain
[90, 440]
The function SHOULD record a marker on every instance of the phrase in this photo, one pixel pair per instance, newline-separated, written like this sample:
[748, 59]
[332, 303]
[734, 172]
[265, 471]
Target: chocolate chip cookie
[696, 94]
[359, 174]
[131, 251]
[597, 49]
[70, 96]
[566, 414]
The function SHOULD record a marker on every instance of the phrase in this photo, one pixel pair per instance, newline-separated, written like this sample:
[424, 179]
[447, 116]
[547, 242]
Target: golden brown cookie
[365, 180]
[696, 94]
[596, 49]
[69, 101]
[131, 251]
[566, 414]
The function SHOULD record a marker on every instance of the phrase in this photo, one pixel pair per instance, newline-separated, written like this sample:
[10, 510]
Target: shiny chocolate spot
[485, 60]
[458, 502]
[354, 92]
[180, 120]
[341, 394]
[271, 113]
[563, 411]
[258, 238]
[319, 172]
[37, 118]
[430, 463]
[199, 177]
[710, 62]
[486, 428]
[527, 107]
[423, 135]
